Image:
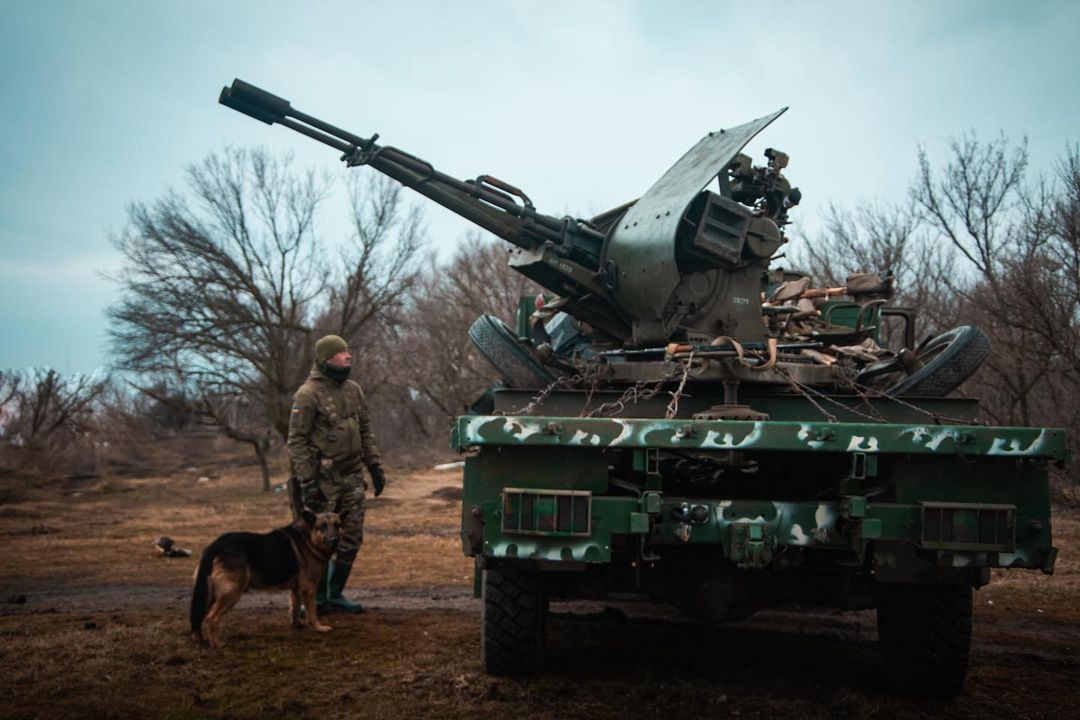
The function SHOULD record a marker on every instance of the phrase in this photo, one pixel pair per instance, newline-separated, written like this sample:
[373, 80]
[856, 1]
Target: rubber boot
[335, 584]
[321, 594]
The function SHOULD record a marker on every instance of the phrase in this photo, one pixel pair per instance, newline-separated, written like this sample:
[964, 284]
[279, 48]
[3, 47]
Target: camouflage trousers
[345, 495]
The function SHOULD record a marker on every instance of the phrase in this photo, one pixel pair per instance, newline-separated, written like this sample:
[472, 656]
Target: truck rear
[907, 514]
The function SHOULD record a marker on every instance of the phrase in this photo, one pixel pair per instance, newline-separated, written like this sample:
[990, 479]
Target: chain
[644, 390]
[673, 406]
[876, 418]
[923, 411]
[872, 418]
[593, 387]
[862, 396]
[802, 390]
[543, 394]
[641, 390]
[861, 391]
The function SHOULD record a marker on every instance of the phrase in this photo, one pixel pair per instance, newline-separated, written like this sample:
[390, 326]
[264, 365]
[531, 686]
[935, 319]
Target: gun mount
[681, 263]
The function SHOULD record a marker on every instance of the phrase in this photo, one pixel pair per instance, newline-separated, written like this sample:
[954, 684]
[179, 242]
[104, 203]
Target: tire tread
[925, 636]
[512, 626]
[515, 364]
[967, 348]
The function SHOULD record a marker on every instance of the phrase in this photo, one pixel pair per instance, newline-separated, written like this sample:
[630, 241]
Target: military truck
[685, 422]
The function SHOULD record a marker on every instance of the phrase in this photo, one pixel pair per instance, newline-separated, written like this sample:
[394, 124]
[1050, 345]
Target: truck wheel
[924, 632]
[513, 359]
[949, 359]
[512, 625]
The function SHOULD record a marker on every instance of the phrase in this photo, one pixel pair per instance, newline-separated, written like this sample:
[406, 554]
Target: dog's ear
[307, 516]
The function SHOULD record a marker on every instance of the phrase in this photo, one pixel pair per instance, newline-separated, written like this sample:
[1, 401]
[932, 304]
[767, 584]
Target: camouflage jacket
[329, 420]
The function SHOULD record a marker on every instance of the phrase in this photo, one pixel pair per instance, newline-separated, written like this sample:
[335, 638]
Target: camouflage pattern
[868, 438]
[345, 495]
[330, 440]
[995, 500]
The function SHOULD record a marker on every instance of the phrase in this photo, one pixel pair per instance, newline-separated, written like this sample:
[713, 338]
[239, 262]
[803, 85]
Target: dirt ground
[92, 624]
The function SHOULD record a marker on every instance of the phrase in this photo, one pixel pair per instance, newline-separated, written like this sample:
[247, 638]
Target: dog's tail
[200, 597]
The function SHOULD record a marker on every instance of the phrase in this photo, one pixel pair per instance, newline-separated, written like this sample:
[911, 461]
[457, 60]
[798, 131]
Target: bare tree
[479, 280]
[980, 204]
[1038, 298]
[51, 409]
[1046, 270]
[9, 388]
[870, 238]
[877, 237]
[979, 241]
[970, 199]
[446, 370]
[226, 286]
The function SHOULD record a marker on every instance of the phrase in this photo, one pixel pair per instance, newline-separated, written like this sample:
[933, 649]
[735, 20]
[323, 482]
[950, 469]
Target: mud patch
[428, 532]
[32, 530]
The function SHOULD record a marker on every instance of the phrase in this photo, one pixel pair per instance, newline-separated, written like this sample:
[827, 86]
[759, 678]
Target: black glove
[311, 496]
[377, 479]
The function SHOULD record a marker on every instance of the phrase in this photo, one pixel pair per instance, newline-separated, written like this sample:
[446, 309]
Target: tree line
[226, 284]
[981, 239]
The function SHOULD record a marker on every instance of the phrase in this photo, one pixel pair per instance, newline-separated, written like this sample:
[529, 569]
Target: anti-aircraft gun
[724, 436]
[680, 262]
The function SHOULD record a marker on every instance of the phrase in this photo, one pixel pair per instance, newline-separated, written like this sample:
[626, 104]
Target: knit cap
[329, 346]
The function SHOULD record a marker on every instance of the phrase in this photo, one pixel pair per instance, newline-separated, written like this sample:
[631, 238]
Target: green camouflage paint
[966, 440]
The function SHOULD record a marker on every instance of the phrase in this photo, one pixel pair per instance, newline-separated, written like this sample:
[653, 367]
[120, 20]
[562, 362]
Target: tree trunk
[264, 465]
[260, 443]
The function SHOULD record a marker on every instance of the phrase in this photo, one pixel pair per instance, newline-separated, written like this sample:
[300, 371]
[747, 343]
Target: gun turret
[678, 263]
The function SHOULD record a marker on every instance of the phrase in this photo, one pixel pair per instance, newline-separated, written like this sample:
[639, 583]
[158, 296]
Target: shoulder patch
[297, 416]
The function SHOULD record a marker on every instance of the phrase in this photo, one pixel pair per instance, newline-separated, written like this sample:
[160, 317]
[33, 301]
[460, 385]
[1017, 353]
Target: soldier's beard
[338, 373]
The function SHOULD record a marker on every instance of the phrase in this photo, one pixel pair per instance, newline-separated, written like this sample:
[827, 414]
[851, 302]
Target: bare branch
[225, 287]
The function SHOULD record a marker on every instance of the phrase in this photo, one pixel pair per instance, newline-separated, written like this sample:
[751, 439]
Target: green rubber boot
[338, 573]
[321, 592]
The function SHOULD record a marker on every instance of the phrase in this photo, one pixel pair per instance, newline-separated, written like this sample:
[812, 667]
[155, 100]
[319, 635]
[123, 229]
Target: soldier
[330, 439]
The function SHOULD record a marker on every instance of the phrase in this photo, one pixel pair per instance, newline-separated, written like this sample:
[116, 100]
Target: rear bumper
[813, 437]
[957, 496]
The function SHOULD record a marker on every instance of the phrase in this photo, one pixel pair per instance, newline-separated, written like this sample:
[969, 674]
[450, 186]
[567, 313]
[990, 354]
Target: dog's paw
[323, 628]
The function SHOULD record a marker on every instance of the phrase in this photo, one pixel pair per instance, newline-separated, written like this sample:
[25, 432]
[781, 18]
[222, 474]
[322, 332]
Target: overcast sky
[581, 104]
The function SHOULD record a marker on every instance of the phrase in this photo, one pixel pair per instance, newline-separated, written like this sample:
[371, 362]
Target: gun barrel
[563, 253]
[269, 108]
[457, 195]
[255, 102]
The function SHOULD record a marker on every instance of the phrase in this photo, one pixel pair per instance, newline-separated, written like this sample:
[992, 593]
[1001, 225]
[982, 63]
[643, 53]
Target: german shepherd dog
[293, 557]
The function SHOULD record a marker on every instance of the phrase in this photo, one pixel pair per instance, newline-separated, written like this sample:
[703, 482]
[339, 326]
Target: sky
[581, 104]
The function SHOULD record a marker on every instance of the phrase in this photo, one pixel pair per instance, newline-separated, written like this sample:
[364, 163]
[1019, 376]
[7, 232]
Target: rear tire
[513, 620]
[924, 632]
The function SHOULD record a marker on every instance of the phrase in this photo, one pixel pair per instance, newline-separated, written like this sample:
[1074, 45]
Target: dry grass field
[93, 624]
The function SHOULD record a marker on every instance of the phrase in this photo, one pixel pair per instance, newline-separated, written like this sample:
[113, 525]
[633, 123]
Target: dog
[290, 558]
